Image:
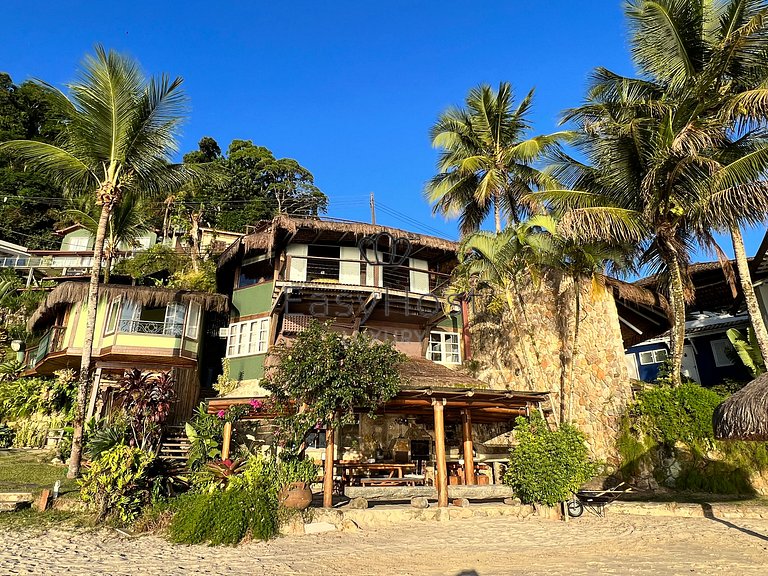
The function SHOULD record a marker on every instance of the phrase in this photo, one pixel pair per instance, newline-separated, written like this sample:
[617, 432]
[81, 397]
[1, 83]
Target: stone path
[476, 546]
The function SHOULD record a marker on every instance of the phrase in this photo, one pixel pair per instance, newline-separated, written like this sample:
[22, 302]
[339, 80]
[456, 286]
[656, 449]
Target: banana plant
[747, 350]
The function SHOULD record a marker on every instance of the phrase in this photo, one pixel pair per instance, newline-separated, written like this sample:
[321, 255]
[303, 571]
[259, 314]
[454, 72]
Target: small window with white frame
[444, 347]
[248, 338]
[722, 350]
[192, 328]
[656, 356]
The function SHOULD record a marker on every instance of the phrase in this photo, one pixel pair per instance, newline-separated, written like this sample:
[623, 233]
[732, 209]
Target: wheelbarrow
[595, 501]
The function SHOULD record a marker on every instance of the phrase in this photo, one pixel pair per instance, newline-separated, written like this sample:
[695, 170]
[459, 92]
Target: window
[78, 244]
[246, 338]
[174, 319]
[112, 316]
[722, 351]
[653, 356]
[444, 347]
[193, 321]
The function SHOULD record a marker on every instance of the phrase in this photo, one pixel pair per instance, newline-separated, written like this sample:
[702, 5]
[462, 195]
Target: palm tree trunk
[677, 331]
[107, 268]
[575, 347]
[84, 379]
[745, 278]
[497, 216]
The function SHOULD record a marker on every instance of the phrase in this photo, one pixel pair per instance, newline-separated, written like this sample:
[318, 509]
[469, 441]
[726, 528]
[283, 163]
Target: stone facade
[530, 346]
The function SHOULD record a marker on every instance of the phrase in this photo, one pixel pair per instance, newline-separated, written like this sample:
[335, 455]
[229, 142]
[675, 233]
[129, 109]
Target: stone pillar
[469, 458]
[442, 468]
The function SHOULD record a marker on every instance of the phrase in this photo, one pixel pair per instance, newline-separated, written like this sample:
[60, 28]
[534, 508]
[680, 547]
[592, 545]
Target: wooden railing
[52, 341]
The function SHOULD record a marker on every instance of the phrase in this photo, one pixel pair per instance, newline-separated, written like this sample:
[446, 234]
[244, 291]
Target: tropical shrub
[103, 435]
[676, 422]
[270, 474]
[205, 433]
[223, 517]
[547, 465]
[146, 400]
[330, 375]
[117, 483]
[24, 397]
[32, 431]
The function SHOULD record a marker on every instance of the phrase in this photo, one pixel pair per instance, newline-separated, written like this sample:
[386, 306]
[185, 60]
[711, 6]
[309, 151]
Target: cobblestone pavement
[469, 547]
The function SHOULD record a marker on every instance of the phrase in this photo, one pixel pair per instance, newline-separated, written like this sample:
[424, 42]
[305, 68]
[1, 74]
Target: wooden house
[154, 329]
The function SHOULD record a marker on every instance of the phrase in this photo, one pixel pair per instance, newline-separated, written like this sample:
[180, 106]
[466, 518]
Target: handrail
[150, 327]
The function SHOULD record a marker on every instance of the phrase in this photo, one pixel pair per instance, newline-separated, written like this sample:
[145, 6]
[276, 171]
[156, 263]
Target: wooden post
[469, 458]
[442, 470]
[328, 469]
[226, 441]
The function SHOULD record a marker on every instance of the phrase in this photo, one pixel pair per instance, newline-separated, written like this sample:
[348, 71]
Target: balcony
[151, 327]
[52, 341]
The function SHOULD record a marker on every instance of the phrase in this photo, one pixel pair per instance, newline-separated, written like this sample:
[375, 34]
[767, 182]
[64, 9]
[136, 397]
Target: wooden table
[394, 470]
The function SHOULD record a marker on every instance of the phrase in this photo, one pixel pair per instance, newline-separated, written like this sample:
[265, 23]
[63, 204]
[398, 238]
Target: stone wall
[525, 342]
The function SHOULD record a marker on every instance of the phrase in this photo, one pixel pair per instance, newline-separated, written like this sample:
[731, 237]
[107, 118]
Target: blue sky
[349, 89]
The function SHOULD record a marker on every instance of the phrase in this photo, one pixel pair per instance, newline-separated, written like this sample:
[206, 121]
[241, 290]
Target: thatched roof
[637, 294]
[268, 233]
[744, 416]
[73, 292]
[423, 373]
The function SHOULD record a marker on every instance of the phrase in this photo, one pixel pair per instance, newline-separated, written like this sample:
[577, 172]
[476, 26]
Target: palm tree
[485, 163]
[119, 133]
[126, 225]
[663, 171]
[715, 53]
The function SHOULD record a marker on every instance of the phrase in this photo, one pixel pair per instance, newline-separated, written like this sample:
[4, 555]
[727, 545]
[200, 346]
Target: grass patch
[30, 470]
[30, 519]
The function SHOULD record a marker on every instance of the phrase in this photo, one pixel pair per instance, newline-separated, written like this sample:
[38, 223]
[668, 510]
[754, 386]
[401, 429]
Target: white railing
[26, 262]
[150, 327]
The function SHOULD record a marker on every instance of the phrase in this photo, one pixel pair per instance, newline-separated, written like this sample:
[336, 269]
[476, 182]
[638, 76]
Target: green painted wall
[253, 299]
[247, 367]
[451, 322]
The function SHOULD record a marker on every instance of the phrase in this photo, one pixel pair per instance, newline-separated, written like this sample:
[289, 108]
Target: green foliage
[156, 259]
[28, 215]
[224, 383]
[747, 350]
[27, 396]
[331, 374]
[677, 421]
[205, 433]
[104, 435]
[223, 517]
[117, 484]
[247, 185]
[6, 436]
[201, 280]
[270, 473]
[670, 414]
[547, 465]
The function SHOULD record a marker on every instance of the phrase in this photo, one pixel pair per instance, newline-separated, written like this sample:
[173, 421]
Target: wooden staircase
[175, 445]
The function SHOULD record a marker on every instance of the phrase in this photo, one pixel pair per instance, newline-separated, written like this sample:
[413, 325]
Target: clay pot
[295, 495]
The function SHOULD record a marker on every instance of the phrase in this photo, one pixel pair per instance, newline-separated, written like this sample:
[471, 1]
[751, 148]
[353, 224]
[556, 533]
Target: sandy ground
[469, 547]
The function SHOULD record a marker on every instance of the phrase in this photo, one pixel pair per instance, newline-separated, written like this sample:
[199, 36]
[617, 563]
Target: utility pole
[373, 210]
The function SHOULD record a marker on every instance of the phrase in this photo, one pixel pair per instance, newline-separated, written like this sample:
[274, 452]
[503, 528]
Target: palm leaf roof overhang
[69, 293]
[270, 234]
[427, 382]
[744, 415]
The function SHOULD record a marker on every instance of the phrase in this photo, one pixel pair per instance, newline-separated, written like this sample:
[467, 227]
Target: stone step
[13, 497]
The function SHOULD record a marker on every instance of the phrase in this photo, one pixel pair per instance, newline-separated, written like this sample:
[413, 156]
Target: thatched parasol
[744, 416]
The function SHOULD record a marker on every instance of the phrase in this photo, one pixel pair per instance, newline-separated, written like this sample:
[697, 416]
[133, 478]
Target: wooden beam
[328, 469]
[442, 467]
[226, 441]
[469, 457]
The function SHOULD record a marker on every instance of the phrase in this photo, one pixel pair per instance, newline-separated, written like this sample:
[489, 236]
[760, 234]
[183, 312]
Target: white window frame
[78, 243]
[445, 340]
[113, 315]
[658, 355]
[248, 338]
[192, 327]
[719, 353]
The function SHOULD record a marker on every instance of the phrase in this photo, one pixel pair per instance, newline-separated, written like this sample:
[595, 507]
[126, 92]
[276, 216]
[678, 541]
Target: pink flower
[256, 404]
[221, 414]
